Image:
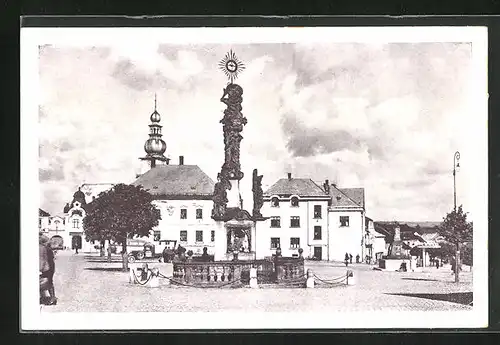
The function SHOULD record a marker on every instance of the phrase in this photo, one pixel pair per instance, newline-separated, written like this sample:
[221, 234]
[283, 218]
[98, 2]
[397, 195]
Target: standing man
[350, 258]
[346, 259]
[47, 269]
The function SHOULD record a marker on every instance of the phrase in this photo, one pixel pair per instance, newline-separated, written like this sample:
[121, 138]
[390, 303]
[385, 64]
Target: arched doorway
[76, 242]
[57, 242]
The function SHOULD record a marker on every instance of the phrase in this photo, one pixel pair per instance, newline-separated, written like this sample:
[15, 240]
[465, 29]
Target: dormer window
[294, 202]
[275, 202]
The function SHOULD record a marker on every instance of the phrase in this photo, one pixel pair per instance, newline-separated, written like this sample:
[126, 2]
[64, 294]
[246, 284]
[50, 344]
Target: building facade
[298, 215]
[325, 221]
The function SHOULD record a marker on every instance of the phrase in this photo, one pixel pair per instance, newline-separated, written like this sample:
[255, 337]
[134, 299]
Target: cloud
[304, 141]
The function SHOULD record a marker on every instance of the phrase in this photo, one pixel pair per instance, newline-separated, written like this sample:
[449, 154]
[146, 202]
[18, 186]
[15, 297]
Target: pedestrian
[205, 257]
[47, 269]
[350, 258]
[437, 263]
[357, 259]
[346, 259]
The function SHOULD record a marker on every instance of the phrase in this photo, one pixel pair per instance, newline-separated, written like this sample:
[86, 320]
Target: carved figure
[233, 122]
[258, 193]
[220, 197]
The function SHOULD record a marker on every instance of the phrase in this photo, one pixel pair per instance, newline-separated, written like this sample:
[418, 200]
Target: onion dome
[155, 117]
[79, 195]
[155, 146]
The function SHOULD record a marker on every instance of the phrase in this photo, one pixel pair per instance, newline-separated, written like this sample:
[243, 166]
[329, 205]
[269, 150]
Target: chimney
[327, 187]
[181, 160]
[289, 176]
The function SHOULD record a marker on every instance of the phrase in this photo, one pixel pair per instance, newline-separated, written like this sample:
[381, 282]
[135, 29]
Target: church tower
[155, 147]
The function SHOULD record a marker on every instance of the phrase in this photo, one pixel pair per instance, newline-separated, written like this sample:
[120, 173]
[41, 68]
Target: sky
[385, 117]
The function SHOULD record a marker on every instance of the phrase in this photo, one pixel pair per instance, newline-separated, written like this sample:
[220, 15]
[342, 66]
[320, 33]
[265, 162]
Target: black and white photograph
[254, 178]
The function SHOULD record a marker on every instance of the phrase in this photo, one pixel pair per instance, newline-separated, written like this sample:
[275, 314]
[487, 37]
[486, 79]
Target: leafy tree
[467, 254]
[457, 231]
[121, 213]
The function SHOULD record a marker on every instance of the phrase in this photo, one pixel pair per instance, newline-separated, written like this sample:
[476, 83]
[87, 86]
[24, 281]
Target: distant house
[416, 236]
[43, 221]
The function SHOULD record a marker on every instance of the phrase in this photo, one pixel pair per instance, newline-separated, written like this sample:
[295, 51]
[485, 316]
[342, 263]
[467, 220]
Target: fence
[220, 273]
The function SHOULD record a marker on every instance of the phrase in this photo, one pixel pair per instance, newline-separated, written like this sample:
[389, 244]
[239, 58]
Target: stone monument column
[227, 191]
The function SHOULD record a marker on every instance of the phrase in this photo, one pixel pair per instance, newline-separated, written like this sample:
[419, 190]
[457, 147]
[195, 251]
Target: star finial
[231, 66]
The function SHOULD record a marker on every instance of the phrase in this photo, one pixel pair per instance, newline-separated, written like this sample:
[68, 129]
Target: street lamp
[456, 167]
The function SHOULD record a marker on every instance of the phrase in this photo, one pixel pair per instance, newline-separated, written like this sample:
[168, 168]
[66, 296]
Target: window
[212, 236]
[317, 211]
[157, 235]
[275, 202]
[295, 202]
[317, 232]
[344, 220]
[76, 223]
[183, 236]
[294, 222]
[294, 242]
[275, 242]
[199, 213]
[199, 236]
[275, 222]
[184, 213]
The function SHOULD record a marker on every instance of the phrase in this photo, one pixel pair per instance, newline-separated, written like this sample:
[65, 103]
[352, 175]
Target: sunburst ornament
[231, 66]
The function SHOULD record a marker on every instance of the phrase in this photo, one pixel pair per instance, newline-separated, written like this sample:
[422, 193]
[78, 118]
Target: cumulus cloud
[382, 117]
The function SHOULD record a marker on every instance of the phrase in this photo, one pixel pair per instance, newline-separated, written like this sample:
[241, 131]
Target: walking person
[346, 259]
[357, 259]
[350, 258]
[437, 263]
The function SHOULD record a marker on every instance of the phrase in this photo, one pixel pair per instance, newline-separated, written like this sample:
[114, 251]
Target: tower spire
[155, 101]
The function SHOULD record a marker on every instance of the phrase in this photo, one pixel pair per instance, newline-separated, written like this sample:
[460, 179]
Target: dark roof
[302, 187]
[355, 194]
[176, 180]
[42, 213]
[347, 197]
[423, 227]
[407, 231]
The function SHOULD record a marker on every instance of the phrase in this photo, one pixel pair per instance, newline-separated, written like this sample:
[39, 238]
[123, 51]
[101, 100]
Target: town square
[267, 177]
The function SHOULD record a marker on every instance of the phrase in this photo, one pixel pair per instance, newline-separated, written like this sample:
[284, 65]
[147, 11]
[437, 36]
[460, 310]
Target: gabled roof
[176, 180]
[355, 194]
[347, 197]
[42, 213]
[303, 187]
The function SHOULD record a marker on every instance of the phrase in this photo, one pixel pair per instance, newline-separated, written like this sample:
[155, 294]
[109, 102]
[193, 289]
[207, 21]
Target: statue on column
[232, 126]
[233, 122]
[220, 197]
[258, 194]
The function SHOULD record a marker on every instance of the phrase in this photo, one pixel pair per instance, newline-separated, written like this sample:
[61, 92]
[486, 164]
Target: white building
[298, 211]
[325, 221]
[183, 194]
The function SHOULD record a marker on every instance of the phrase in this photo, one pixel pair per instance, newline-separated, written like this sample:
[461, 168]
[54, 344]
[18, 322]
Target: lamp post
[456, 167]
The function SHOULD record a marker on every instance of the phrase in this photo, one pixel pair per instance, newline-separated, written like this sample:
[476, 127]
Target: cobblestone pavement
[83, 286]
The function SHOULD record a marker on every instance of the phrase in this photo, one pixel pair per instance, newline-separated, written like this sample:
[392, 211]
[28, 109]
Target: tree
[121, 213]
[456, 230]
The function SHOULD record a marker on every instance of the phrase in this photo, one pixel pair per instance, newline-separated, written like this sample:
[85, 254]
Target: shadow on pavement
[464, 298]
[106, 269]
[421, 279]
